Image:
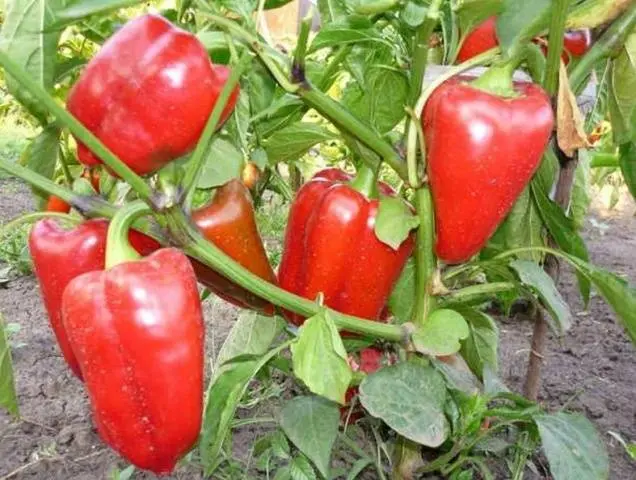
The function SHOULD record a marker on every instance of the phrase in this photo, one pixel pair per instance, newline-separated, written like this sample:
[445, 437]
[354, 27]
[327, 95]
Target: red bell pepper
[137, 332]
[229, 222]
[482, 151]
[331, 247]
[61, 255]
[147, 94]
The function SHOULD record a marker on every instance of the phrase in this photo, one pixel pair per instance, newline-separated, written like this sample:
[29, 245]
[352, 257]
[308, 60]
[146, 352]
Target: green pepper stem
[198, 157]
[555, 46]
[606, 46]
[301, 45]
[82, 133]
[118, 248]
[197, 246]
[366, 181]
[425, 261]
[498, 80]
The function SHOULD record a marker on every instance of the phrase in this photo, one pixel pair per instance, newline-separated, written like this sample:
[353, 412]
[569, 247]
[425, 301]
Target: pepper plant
[378, 313]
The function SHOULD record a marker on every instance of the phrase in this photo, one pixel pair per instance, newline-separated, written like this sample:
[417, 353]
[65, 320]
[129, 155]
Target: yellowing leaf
[570, 132]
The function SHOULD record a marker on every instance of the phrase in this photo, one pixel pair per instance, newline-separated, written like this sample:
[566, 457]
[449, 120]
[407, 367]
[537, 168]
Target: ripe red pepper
[576, 43]
[229, 222]
[331, 247]
[482, 151]
[61, 255]
[147, 94]
[370, 361]
[137, 332]
[56, 204]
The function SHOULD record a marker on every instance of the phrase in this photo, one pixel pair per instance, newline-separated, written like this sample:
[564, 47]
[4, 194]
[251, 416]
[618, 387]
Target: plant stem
[92, 206]
[366, 181]
[555, 46]
[118, 248]
[301, 44]
[194, 244]
[425, 261]
[82, 133]
[605, 160]
[608, 45]
[477, 291]
[198, 157]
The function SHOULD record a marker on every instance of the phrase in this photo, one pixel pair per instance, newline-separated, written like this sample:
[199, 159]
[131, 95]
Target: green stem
[65, 170]
[301, 45]
[375, 8]
[366, 181]
[197, 246]
[555, 46]
[477, 291]
[118, 248]
[332, 67]
[92, 206]
[498, 80]
[425, 261]
[198, 157]
[605, 160]
[346, 121]
[606, 46]
[81, 133]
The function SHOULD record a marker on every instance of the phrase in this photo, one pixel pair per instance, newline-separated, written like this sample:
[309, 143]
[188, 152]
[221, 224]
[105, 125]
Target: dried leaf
[570, 131]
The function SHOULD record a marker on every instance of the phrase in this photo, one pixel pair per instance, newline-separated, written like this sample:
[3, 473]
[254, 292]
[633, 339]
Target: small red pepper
[229, 222]
[137, 332]
[148, 94]
[331, 248]
[61, 255]
[482, 151]
[370, 361]
[56, 204]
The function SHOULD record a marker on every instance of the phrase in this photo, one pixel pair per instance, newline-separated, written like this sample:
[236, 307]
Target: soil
[592, 369]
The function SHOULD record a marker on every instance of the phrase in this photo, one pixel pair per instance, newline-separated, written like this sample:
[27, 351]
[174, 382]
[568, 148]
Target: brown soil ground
[592, 369]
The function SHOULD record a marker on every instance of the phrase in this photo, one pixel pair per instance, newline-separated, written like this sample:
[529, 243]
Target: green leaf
[252, 334]
[573, 447]
[311, 424]
[350, 30]
[622, 102]
[272, 4]
[301, 469]
[581, 199]
[534, 276]
[413, 13]
[562, 231]
[630, 448]
[471, 13]
[223, 398]
[548, 171]
[332, 10]
[521, 228]
[519, 21]
[41, 156]
[80, 9]
[402, 299]
[27, 39]
[458, 378]
[394, 222]
[8, 395]
[381, 100]
[441, 333]
[627, 162]
[480, 348]
[223, 163]
[293, 141]
[410, 399]
[320, 359]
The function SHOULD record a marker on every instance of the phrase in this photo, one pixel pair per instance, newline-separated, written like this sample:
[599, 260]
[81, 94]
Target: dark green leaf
[627, 162]
[80, 9]
[294, 141]
[532, 275]
[223, 398]
[311, 423]
[458, 378]
[562, 230]
[351, 30]
[68, 67]
[41, 156]
[471, 13]
[480, 349]
[622, 101]
[573, 447]
[320, 359]
[28, 41]
[224, 162]
[271, 4]
[441, 333]
[547, 172]
[410, 398]
[519, 22]
[394, 222]
[8, 396]
[402, 299]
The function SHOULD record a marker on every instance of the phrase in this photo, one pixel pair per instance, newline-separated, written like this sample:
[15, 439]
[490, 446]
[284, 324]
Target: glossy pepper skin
[147, 94]
[56, 204]
[228, 221]
[137, 332]
[482, 152]
[330, 247]
[61, 255]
